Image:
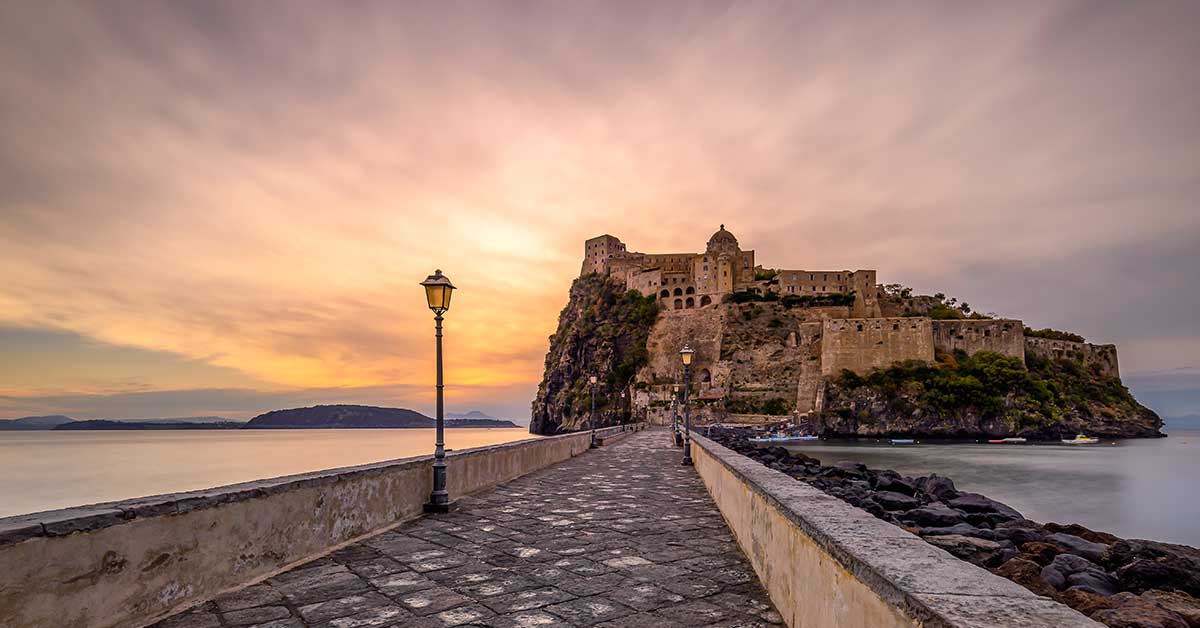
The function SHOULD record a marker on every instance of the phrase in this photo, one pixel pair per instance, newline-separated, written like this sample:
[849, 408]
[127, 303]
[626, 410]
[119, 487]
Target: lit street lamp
[438, 290]
[686, 354]
[592, 416]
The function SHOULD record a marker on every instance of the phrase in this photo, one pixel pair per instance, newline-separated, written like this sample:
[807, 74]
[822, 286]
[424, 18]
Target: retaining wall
[131, 562]
[827, 563]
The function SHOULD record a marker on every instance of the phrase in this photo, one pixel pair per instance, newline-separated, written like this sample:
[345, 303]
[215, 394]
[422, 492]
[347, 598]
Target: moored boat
[902, 441]
[1011, 439]
[783, 438]
[1081, 439]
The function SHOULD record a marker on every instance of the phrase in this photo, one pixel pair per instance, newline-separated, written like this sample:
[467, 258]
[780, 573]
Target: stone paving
[620, 536]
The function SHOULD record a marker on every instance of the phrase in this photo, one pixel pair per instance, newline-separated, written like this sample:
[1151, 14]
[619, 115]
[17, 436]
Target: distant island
[349, 416]
[34, 423]
[316, 417]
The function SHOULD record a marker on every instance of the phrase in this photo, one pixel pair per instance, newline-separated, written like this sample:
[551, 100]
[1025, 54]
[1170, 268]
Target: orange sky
[225, 208]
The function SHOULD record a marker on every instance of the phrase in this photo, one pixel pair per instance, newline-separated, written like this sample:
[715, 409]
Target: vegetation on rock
[1053, 334]
[986, 394]
[602, 331]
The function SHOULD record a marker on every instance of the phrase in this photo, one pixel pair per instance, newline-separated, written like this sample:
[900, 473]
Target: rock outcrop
[602, 331]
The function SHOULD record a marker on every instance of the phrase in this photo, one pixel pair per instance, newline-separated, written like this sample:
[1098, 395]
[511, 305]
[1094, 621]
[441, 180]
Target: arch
[705, 376]
[678, 292]
[691, 302]
[665, 293]
[679, 304]
[705, 300]
[690, 290]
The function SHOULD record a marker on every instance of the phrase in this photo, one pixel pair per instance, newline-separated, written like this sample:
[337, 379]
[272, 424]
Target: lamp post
[675, 415]
[592, 416]
[437, 291]
[686, 354]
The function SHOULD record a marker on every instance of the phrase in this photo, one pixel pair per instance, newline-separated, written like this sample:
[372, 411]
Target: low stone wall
[130, 562]
[827, 563]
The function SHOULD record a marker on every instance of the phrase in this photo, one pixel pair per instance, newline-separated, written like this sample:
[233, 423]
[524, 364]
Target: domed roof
[722, 239]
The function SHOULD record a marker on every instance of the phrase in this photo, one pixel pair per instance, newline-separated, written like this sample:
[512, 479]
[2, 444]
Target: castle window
[690, 290]
[691, 303]
[793, 276]
[679, 304]
[706, 267]
[812, 277]
[987, 332]
[895, 326]
[860, 327]
[678, 292]
[665, 293]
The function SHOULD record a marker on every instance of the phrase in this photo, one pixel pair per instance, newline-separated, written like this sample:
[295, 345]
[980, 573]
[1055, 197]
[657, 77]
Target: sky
[214, 208]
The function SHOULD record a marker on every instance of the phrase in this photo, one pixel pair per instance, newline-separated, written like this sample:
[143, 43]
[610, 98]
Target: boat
[782, 438]
[1011, 439]
[901, 441]
[1080, 439]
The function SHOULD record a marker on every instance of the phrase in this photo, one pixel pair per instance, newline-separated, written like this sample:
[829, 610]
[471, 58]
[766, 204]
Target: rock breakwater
[1124, 583]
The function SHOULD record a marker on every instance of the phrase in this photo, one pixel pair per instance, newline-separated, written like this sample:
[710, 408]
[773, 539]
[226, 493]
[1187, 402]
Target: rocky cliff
[601, 331]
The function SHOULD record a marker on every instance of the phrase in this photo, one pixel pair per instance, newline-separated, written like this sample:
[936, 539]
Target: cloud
[258, 187]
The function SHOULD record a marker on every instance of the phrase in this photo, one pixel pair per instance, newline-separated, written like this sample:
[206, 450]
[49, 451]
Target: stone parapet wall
[1004, 336]
[1102, 357]
[126, 563]
[827, 563]
[862, 344]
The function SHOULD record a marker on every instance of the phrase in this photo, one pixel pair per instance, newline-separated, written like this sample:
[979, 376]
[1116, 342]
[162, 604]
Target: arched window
[690, 290]
[679, 304]
[705, 300]
[691, 302]
[665, 293]
[678, 292]
[705, 376]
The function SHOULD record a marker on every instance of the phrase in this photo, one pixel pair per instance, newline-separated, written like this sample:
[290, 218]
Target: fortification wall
[1101, 357]
[1005, 336]
[862, 344]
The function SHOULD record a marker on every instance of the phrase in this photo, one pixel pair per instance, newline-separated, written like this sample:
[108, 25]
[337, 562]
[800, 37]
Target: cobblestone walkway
[620, 536]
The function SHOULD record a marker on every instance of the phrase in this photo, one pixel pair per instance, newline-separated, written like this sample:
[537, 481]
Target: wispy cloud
[258, 187]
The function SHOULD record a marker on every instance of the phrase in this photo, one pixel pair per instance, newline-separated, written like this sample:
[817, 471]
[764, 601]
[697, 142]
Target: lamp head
[437, 291]
[686, 354]
[592, 379]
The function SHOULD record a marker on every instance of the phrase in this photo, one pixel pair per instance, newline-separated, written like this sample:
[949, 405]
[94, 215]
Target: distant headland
[315, 417]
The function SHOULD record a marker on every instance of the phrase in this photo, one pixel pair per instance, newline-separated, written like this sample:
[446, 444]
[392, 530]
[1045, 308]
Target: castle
[794, 330]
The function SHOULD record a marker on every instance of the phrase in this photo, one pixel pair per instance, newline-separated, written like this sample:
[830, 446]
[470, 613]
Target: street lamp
[592, 416]
[437, 291]
[686, 354]
[675, 415]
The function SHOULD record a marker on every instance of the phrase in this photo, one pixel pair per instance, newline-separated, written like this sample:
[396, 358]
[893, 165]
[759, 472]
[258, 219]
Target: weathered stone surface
[936, 514]
[1027, 574]
[1185, 605]
[976, 503]
[1133, 611]
[977, 551]
[1143, 565]
[895, 501]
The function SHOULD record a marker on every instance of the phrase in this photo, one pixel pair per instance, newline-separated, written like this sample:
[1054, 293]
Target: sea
[1145, 488]
[1139, 488]
[48, 470]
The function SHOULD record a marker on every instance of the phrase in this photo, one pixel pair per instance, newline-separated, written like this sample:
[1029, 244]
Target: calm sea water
[50, 470]
[1148, 489]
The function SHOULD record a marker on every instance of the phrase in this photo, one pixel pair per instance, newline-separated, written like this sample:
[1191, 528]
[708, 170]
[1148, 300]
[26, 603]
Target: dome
[722, 240]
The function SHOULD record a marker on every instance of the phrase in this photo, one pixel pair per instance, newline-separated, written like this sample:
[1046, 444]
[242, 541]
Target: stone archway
[665, 293]
[679, 304]
[678, 292]
[691, 303]
[705, 300]
[705, 376]
[690, 290]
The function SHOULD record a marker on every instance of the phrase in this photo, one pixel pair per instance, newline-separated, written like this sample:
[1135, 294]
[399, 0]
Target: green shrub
[1053, 334]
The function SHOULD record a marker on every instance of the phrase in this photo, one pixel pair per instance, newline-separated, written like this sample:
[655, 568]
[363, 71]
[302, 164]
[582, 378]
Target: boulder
[965, 529]
[1161, 566]
[896, 483]
[1093, 581]
[980, 552]
[1027, 574]
[936, 515]
[1020, 534]
[848, 469]
[1072, 544]
[895, 501]
[976, 503]
[1085, 602]
[1137, 612]
[937, 487]
[1082, 532]
[1178, 602]
[1040, 553]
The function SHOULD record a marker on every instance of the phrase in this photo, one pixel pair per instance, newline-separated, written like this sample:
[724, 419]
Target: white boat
[1080, 439]
[902, 441]
[1011, 439]
[782, 439]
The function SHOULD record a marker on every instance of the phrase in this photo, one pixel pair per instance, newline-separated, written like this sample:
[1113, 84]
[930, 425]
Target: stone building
[688, 280]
